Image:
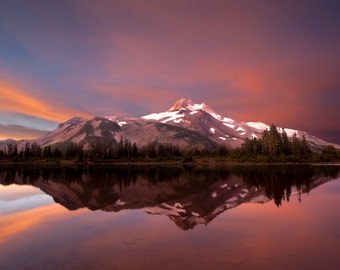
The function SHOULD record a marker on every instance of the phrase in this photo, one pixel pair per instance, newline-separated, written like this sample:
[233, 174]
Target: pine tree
[27, 151]
[286, 145]
[275, 143]
[296, 147]
[134, 150]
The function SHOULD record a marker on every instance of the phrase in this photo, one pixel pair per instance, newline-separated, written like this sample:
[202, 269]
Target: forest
[272, 147]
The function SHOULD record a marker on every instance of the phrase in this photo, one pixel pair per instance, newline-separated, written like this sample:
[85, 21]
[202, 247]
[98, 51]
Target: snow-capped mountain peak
[183, 103]
[187, 104]
[179, 109]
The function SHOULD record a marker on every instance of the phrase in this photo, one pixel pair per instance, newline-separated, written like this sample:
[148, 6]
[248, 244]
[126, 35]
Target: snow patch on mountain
[228, 120]
[121, 123]
[229, 125]
[164, 117]
[253, 136]
[258, 125]
[290, 132]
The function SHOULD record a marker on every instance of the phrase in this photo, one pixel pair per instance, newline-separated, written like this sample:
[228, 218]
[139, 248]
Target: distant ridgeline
[272, 146]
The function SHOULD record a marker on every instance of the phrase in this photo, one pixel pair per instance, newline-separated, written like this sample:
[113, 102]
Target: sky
[270, 61]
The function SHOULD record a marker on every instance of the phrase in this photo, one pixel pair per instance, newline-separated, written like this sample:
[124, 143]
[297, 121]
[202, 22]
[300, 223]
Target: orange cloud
[12, 99]
[15, 100]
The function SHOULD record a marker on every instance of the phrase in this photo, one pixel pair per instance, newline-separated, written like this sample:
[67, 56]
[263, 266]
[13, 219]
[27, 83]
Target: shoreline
[164, 163]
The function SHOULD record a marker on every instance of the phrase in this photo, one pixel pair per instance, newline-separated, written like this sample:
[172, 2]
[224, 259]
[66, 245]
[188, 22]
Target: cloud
[12, 99]
[18, 132]
[28, 100]
[260, 61]
[8, 118]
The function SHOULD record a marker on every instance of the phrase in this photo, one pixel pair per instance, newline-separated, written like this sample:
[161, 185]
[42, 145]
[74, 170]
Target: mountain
[222, 130]
[81, 131]
[201, 118]
[105, 129]
[184, 124]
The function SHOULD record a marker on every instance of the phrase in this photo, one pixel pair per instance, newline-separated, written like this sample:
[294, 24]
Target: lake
[237, 217]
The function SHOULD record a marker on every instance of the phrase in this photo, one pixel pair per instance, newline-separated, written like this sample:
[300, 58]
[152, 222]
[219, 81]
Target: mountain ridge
[184, 124]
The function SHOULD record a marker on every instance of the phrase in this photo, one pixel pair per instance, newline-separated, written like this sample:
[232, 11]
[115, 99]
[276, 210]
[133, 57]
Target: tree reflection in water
[187, 195]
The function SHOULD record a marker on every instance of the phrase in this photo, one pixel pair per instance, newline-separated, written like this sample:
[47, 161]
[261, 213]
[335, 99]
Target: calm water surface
[247, 217]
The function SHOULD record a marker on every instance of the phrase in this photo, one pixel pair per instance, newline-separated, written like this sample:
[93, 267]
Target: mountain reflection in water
[188, 196]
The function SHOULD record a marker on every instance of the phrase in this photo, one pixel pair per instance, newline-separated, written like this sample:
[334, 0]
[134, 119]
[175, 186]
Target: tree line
[273, 146]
